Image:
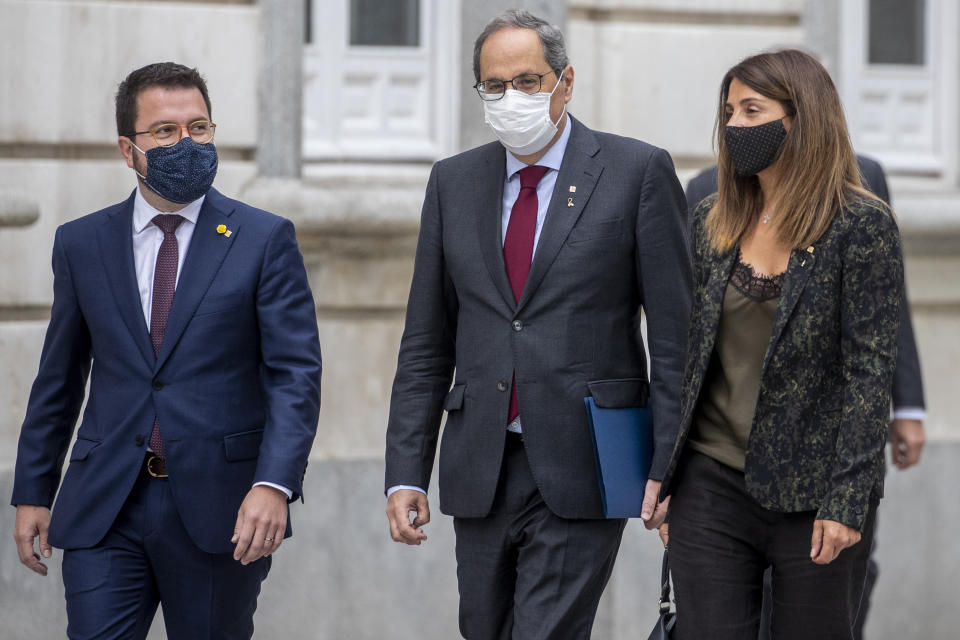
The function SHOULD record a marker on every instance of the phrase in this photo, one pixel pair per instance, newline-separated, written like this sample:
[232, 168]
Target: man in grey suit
[537, 255]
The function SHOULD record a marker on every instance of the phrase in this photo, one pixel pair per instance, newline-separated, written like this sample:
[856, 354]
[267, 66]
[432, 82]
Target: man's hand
[829, 539]
[399, 506]
[261, 523]
[664, 532]
[32, 521]
[906, 442]
[652, 512]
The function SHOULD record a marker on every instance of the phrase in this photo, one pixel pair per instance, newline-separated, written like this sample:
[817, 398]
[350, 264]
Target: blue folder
[623, 446]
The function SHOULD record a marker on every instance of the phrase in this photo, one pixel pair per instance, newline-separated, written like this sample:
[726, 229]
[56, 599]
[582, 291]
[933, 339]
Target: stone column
[279, 147]
[473, 18]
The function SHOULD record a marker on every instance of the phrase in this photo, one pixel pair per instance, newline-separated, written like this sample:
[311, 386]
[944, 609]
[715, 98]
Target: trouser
[722, 541]
[872, 572]
[525, 573]
[146, 558]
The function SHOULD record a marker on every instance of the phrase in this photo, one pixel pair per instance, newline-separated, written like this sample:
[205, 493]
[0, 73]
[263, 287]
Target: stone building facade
[331, 112]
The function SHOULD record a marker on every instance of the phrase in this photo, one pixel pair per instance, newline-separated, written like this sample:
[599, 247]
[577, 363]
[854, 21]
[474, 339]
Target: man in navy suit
[192, 315]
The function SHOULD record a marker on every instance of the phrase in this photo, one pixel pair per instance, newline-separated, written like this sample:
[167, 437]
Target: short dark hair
[158, 74]
[554, 49]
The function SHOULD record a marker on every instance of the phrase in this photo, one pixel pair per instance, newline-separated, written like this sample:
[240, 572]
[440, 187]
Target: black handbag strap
[665, 584]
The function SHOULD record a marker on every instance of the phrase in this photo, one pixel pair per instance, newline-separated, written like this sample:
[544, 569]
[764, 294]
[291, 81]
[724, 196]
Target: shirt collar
[143, 211]
[551, 159]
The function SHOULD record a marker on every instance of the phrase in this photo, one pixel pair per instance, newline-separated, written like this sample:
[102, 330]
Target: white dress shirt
[552, 160]
[146, 244]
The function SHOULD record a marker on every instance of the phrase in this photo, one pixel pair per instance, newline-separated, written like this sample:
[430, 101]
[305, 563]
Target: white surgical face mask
[521, 121]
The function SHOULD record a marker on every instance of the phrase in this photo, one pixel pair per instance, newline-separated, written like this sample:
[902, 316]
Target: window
[896, 32]
[385, 23]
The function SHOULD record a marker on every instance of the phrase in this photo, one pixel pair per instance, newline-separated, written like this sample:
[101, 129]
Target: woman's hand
[829, 539]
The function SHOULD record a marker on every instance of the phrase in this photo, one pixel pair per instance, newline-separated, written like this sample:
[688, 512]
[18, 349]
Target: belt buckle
[150, 470]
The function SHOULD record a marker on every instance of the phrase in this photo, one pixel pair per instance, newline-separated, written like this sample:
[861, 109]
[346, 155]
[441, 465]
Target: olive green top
[721, 425]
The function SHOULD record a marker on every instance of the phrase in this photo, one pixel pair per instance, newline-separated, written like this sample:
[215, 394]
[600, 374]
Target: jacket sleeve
[290, 350]
[872, 287]
[427, 353]
[57, 392]
[665, 276]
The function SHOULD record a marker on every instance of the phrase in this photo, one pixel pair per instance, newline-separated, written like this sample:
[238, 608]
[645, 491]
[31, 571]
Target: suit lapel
[580, 169]
[488, 201]
[207, 250]
[116, 250]
[798, 272]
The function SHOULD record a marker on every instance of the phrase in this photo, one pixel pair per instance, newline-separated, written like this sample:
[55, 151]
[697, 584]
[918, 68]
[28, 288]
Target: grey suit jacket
[620, 248]
[907, 380]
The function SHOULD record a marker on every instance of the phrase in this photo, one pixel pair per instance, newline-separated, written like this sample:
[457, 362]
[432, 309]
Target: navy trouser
[146, 558]
[722, 541]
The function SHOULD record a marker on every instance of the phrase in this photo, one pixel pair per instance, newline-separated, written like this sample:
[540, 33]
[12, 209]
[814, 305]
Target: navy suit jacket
[236, 385]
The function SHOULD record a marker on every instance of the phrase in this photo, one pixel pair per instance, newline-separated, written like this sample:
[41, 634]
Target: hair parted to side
[554, 49]
[817, 164]
[158, 74]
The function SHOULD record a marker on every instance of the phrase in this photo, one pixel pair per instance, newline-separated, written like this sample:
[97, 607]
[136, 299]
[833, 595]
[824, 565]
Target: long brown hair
[818, 168]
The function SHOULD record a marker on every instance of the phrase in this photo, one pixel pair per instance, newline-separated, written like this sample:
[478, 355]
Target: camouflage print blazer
[821, 419]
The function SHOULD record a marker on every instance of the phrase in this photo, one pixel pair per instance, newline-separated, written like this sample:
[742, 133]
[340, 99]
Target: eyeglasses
[494, 89]
[167, 134]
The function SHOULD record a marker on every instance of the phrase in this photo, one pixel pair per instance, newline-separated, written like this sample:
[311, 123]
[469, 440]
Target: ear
[567, 75]
[126, 149]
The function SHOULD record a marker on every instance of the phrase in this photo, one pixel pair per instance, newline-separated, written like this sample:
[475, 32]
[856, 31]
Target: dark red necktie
[518, 246]
[164, 284]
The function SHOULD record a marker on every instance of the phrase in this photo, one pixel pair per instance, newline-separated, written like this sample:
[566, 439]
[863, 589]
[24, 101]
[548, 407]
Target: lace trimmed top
[728, 398]
[758, 288]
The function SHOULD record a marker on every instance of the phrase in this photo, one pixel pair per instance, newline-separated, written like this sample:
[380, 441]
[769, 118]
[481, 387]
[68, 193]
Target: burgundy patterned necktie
[518, 246]
[164, 284]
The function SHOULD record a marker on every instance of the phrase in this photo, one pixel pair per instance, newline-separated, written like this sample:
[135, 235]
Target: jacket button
[138, 440]
[157, 385]
[501, 386]
[517, 325]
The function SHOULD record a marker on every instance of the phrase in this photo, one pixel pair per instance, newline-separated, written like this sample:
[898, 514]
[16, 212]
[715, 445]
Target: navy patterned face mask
[181, 173]
[753, 149]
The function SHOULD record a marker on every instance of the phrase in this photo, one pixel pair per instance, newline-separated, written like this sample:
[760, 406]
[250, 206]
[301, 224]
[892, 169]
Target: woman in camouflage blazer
[786, 396]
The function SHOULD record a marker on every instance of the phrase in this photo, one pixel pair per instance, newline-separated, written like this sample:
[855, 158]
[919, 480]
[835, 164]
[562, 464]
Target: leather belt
[155, 466]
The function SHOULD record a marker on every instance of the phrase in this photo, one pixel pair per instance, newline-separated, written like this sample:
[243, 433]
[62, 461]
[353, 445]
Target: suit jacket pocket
[243, 446]
[454, 399]
[219, 303]
[82, 448]
[619, 393]
[595, 231]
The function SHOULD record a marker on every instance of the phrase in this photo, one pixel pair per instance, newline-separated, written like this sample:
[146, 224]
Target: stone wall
[644, 68]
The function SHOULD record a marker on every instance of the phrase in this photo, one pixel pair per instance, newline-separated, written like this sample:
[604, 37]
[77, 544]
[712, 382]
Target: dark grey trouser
[526, 574]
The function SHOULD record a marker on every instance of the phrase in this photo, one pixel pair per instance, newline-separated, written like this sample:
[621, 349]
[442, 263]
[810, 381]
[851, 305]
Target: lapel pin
[569, 202]
[803, 263]
[228, 233]
[810, 249]
[573, 189]
[221, 229]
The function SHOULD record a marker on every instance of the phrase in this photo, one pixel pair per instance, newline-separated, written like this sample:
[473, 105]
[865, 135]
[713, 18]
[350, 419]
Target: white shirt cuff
[910, 413]
[276, 486]
[393, 490]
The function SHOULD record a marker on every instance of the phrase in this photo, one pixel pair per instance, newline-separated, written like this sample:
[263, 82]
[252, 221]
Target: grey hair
[554, 49]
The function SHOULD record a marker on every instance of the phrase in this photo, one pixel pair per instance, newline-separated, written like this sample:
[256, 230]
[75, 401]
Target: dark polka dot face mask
[753, 149]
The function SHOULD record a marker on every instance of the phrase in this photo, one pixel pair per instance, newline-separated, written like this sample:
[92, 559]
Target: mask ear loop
[134, 145]
[562, 113]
